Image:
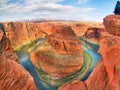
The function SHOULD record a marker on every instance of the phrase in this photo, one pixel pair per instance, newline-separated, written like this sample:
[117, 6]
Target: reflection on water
[24, 58]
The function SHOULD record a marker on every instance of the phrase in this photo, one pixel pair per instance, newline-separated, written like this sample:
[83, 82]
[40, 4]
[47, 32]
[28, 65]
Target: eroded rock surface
[96, 81]
[20, 33]
[64, 40]
[12, 75]
[112, 24]
[93, 33]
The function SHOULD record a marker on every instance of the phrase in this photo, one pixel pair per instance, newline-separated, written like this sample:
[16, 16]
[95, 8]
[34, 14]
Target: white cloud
[3, 1]
[82, 1]
[39, 9]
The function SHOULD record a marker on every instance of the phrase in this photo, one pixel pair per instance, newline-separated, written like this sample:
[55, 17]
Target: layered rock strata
[12, 75]
[21, 33]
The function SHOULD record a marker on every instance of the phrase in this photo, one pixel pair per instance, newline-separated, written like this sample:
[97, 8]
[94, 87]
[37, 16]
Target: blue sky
[80, 10]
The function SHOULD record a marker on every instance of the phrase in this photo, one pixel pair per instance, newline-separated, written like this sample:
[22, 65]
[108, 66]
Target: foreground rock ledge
[12, 75]
[112, 24]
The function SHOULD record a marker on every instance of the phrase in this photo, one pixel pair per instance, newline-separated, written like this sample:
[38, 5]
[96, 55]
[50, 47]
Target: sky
[78, 10]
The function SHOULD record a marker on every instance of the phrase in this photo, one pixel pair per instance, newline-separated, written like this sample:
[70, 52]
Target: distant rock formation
[93, 33]
[20, 33]
[12, 75]
[106, 74]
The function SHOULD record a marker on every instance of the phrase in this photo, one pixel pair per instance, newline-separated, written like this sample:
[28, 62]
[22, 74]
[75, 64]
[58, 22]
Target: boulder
[112, 24]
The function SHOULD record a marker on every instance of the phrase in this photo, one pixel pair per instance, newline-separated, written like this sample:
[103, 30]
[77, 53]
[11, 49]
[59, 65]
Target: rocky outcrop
[6, 48]
[110, 47]
[93, 33]
[105, 75]
[79, 28]
[112, 24]
[64, 40]
[20, 33]
[12, 75]
[47, 28]
[54, 64]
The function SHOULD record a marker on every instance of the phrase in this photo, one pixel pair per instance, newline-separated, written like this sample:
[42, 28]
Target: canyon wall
[20, 33]
[12, 75]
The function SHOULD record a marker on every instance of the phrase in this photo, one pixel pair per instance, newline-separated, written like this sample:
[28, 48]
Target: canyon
[61, 54]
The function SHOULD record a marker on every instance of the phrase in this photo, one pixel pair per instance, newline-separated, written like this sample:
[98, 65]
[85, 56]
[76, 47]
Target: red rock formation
[6, 48]
[79, 28]
[112, 24]
[109, 48]
[96, 81]
[12, 75]
[93, 33]
[64, 40]
[22, 32]
[55, 66]
[47, 27]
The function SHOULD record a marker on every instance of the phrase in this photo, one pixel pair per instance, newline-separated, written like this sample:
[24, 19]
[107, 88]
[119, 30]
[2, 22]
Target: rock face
[112, 24]
[105, 75]
[79, 29]
[6, 48]
[96, 81]
[56, 66]
[64, 40]
[12, 75]
[20, 33]
[93, 33]
[110, 47]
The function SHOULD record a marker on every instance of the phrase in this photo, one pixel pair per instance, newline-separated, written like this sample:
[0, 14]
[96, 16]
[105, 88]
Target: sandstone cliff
[12, 75]
[20, 33]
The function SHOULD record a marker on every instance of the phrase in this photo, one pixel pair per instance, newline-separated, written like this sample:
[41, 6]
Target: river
[24, 59]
